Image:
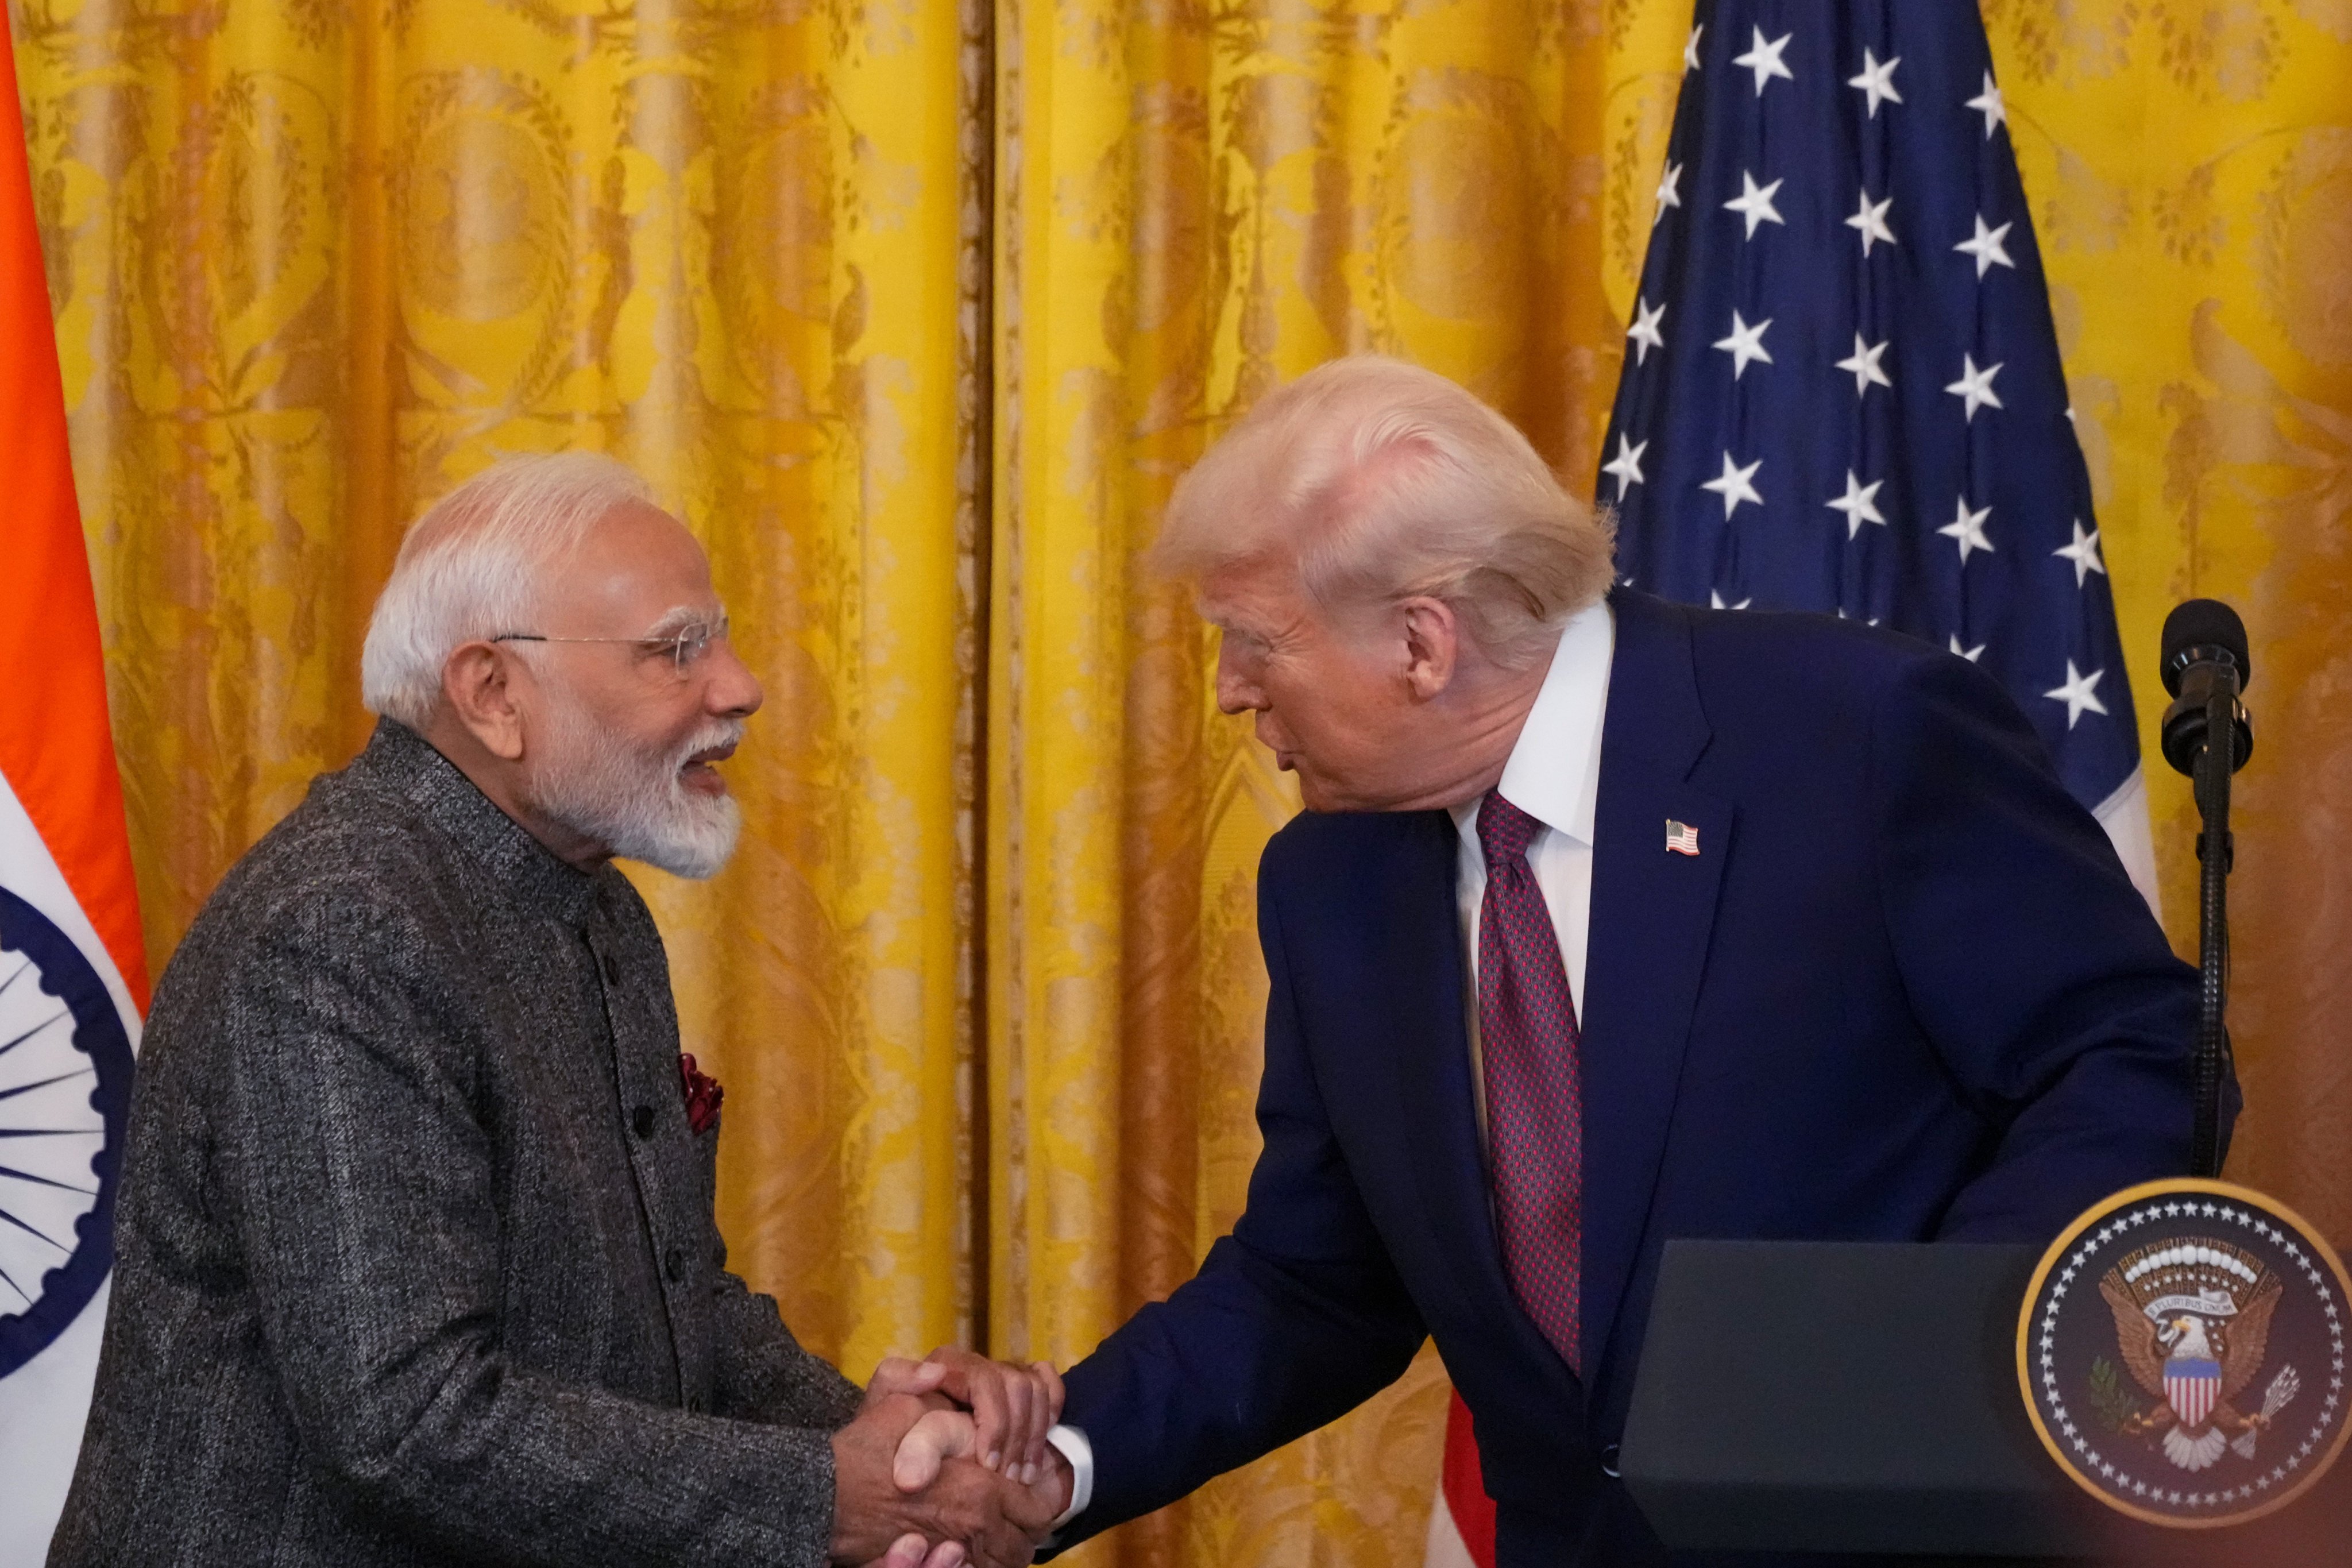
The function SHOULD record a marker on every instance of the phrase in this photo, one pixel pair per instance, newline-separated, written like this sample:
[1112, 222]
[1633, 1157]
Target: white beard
[637, 806]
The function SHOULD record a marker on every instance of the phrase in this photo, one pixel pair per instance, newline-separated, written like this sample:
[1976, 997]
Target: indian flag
[73, 978]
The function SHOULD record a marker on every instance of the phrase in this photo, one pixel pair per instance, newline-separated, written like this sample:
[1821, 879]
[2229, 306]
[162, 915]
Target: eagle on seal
[2193, 1366]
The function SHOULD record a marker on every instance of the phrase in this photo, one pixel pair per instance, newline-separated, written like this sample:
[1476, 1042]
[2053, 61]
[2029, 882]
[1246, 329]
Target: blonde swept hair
[1382, 481]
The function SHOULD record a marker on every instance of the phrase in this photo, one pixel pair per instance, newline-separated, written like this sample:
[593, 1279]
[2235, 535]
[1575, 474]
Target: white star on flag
[1626, 466]
[1871, 221]
[1732, 484]
[1974, 388]
[1967, 527]
[1989, 104]
[2077, 693]
[1857, 503]
[1873, 121]
[1877, 81]
[1744, 344]
[1715, 602]
[1986, 247]
[1644, 329]
[1755, 205]
[1864, 363]
[2083, 552]
[1765, 60]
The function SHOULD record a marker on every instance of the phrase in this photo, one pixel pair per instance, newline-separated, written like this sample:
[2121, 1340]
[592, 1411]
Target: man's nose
[1236, 692]
[733, 691]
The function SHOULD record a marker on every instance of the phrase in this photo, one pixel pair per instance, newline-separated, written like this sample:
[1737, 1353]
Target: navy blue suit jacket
[1905, 992]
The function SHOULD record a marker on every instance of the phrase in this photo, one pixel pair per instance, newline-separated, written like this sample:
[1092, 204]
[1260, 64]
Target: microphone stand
[2216, 849]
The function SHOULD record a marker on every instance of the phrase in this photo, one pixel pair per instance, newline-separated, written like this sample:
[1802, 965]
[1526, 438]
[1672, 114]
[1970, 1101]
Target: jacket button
[643, 1121]
[1609, 1461]
[674, 1266]
[612, 969]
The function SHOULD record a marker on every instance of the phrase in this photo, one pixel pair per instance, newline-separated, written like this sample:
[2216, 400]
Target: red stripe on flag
[1466, 1487]
[57, 748]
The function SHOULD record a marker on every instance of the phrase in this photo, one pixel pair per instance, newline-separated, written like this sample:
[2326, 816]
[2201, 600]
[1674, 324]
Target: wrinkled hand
[973, 1515]
[1012, 1407]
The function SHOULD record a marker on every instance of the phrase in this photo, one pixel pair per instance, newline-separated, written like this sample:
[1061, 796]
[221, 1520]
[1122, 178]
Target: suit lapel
[1652, 912]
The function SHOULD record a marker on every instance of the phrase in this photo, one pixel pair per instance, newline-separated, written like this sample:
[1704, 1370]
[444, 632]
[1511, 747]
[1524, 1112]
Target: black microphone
[2205, 667]
[2204, 657]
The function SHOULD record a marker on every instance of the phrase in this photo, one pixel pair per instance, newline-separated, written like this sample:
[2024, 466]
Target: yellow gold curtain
[2190, 169]
[314, 261]
[916, 309]
[1196, 200]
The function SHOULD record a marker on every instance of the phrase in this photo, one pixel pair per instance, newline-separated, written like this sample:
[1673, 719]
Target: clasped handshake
[947, 1464]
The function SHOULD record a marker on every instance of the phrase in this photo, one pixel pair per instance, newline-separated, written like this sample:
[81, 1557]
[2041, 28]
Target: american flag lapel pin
[1681, 838]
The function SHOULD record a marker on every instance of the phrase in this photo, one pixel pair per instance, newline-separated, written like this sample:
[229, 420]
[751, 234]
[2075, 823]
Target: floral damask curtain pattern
[2191, 168]
[917, 309]
[1196, 200]
[314, 261]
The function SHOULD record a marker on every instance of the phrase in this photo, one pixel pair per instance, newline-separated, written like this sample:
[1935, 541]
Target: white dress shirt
[1553, 775]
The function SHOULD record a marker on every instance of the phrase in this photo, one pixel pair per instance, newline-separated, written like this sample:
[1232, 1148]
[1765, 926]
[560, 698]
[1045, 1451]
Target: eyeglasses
[685, 647]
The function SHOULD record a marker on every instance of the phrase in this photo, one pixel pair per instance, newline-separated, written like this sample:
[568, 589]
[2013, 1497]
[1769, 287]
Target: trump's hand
[1012, 1407]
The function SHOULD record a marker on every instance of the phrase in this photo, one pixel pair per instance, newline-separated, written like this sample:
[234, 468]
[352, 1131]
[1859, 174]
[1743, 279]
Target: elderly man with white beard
[416, 1254]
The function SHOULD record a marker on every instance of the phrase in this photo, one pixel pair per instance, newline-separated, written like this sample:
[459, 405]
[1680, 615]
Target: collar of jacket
[402, 764]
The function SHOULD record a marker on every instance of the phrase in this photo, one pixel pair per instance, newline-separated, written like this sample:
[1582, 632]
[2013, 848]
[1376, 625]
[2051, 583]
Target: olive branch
[2109, 1401]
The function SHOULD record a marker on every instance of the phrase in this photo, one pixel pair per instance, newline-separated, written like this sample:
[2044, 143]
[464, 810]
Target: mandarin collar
[405, 765]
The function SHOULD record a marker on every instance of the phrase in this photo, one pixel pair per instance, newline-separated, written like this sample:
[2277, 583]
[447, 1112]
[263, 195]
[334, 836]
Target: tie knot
[1503, 830]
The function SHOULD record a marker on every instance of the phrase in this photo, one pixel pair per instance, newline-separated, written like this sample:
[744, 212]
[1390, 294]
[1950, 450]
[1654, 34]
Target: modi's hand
[959, 1514]
[945, 1438]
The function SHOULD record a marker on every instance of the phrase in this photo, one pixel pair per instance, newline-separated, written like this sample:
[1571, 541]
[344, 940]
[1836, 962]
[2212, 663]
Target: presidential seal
[2181, 1351]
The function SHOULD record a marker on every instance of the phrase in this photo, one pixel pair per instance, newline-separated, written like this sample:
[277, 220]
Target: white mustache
[719, 732]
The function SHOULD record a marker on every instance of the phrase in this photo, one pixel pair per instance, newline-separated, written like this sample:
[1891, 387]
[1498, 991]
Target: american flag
[1842, 388]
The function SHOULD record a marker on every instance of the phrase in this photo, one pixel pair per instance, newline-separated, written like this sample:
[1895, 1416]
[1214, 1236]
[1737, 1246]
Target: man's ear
[474, 683]
[1433, 645]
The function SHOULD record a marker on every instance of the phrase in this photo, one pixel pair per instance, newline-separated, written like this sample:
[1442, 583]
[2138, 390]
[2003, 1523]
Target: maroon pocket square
[702, 1094]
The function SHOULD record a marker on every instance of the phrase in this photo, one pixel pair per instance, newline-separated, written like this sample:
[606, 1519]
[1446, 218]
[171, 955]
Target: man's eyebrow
[684, 618]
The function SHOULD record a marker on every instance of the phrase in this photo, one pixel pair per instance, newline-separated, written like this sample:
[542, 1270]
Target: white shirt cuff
[1072, 1445]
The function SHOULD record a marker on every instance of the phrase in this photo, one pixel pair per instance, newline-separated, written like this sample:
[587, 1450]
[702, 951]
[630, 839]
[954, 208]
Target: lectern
[1862, 1398]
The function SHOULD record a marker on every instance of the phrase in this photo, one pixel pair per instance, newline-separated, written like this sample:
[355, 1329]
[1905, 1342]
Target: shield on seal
[2191, 1387]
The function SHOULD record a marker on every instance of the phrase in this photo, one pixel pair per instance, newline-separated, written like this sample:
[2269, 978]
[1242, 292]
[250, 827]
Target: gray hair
[468, 568]
[1382, 481]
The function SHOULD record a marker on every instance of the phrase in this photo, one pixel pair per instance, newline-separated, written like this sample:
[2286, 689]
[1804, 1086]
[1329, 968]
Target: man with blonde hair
[415, 1259]
[1609, 921]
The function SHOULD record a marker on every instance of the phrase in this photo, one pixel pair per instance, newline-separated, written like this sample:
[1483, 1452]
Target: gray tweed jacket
[416, 1260]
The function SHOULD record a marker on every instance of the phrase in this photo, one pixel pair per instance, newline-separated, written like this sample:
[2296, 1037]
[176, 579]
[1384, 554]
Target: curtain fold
[916, 309]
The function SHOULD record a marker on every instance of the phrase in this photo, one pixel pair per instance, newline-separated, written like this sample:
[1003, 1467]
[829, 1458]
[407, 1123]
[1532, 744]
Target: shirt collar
[407, 766]
[1554, 771]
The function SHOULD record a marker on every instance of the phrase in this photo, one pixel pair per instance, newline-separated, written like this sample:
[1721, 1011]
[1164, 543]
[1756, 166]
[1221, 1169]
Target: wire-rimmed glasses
[686, 646]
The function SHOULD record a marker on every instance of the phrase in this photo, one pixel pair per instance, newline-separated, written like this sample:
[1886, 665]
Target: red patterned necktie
[1535, 1098]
